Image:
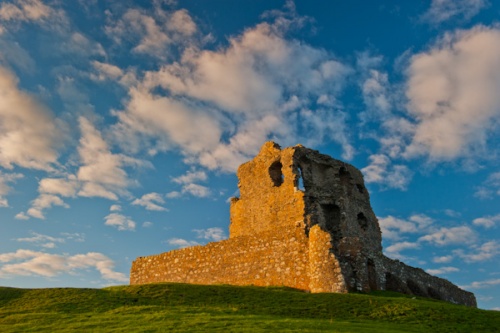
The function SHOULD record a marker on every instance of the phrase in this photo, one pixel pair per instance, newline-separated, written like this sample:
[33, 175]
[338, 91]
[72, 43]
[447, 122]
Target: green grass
[194, 308]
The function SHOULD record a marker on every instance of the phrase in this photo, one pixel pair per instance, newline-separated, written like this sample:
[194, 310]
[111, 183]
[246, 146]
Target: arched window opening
[276, 173]
[363, 221]
[345, 177]
[300, 181]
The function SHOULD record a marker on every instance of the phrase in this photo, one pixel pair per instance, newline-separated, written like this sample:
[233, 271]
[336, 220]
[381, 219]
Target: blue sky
[122, 124]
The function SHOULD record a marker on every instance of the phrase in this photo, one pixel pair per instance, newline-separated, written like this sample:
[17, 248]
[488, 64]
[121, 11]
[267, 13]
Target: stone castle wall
[303, 220]
[269, 258]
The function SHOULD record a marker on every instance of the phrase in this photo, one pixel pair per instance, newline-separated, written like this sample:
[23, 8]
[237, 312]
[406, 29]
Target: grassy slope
[192, 308]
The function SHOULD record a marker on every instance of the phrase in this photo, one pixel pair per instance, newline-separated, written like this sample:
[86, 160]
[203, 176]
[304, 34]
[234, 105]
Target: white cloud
[444, 10]
[442, 259]
[442, 270]
[453, 94]
[29, 263]
[42, 240]
[181, 243]
[196, 190]
[100, 168]
[381, 171]
[59, 186]
[15, 13]
[26, 10]
[174, 195]
[221, 105]
[106, 71]
[76, 237]
[4, 188]
[152, 33]
[375, 87]
[115, 208]
[190, 177]
[147, 224]
[211, 234]
[487, 221]
[29, 135]
[80, 45]
[151, 201]
[395, 249]
[490, 187]
[119, 221]
[44, 201]
[21, 216]
[447, 236]
[483, 284]
[102, 173]
[484, 252]
[392, 227]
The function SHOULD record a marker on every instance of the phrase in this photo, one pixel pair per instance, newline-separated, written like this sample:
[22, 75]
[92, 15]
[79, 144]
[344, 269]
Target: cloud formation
[380, 171]
[487, 221]
[444, 10]
[5, 179]
[181, 243]
[211, 234]
[29, 263]
[222, 105]
[453, 97]
[45, 241]
[120, 222]
[442, 270]
[152, 33]
[29, 135]
[150, 201]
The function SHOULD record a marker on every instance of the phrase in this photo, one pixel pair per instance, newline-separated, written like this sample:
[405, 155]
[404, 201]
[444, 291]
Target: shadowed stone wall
[303, 220]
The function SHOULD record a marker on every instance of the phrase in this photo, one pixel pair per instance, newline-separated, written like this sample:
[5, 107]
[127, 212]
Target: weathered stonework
[303, 220]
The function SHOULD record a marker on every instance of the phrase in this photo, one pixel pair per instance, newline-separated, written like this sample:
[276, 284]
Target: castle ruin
[303, 220]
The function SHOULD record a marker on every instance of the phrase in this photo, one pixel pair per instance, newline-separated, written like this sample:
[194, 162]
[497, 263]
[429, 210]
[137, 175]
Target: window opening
[300, 181]
[363, 221]
[276, 173]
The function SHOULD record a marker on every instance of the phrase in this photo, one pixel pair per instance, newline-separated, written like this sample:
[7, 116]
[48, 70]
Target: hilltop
[189, 308]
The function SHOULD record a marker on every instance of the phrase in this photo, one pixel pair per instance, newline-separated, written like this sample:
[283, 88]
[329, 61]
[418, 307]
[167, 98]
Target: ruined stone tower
[303, 220]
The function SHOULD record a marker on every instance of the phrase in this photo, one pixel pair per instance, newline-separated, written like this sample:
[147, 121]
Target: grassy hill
[193, 308]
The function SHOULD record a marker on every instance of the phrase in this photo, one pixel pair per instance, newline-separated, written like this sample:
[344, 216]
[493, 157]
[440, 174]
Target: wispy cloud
[29, 136]
[211, 234]
[120, 222]
[490, 188]
[150, 201]
[442, 270]
[479, 253]
[382, 172]
[221, 105]
[444, 10]
[42, 240]
[446, 236]
[5, 179]
[189, 186]
[42, 202]
[181, 243]
[453, 94]
[152, 32]
[14, 12]
[487, 221]
[29, 263]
